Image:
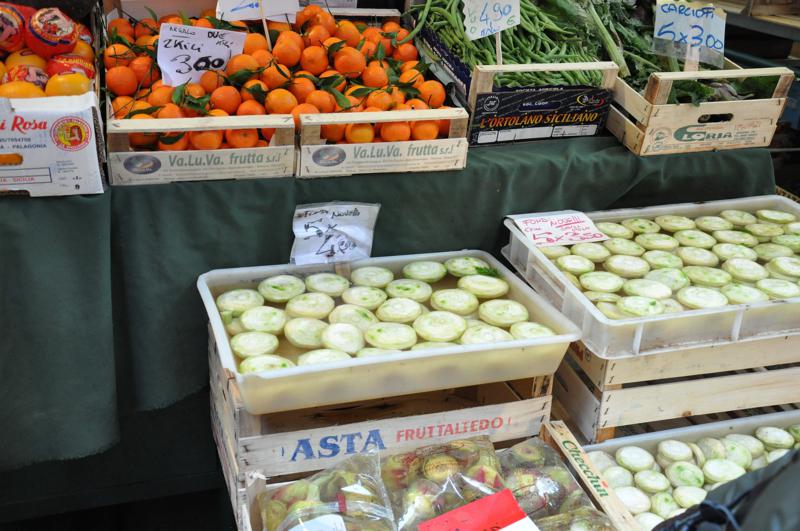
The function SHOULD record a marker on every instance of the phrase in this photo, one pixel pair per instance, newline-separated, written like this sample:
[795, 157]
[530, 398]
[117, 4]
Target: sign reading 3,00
[185, 52]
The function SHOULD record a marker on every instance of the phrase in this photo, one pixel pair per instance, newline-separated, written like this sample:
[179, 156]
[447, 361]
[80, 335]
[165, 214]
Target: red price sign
[558, 228]
[492, 513]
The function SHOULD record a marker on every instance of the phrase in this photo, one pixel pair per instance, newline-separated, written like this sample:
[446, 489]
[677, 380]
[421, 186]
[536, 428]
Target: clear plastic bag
[432, 480]
[349, 496]
[585, 519]
[541, 482]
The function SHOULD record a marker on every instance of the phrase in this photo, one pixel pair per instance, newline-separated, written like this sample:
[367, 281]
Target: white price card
[558, 228]
[278, 10]
[328, 522]
[690, 30]
[185, 52]
[487, 17]
[333, 232]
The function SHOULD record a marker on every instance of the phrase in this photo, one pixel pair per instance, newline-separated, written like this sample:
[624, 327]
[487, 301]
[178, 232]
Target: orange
[276, 76]
[368, 48]
[412, 77]
[146, 27]
[21, 89]
[324, 101]
[68, 85]
[195, 90]
[203, 23]
[147, 42]
[180, 142]
[157, 84]
[226, 98]
[211, 80]
[376, 36]
[121, 81]
[417, 104]
[432, 92]
[123, 28]
[356, 105]
[331, 41]
[348, 32]
[205, 139]
[402, 107]
[240, 62]
[301, 87]
[402, 33]
[146, 72]
[160, 96]
[329, 73]
[390, 26]
[142, 94]
[292, 37]
[121, 105]
[250, 108]
[303, 108]
[332, 132]
[83, 49]
[267, 132]
[170, 110]
[253, 42]
[444, 124]
[397, 95]
[170, 18]
[114, 55]
[280, 101]
[375, 76]
[249, 88]
[405, 52]
[305, 15]
[380, 99]
[239, 24]
[424, 130]
[383, 64]
[262, 143]
[142, 139]
[408, 65]
[241, 138]
[395, 131]
[314, 59]
[349, 62]
[278, 26]
[324, 19]
[286, 52]
[139, 105]
[316, 35]
[359, 133]
[263, 57]
[208, 12]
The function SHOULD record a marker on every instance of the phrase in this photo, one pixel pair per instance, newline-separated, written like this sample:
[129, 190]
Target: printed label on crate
[541, 112]
[169, 166]
[690, 30]
[47, 150]
[697, 137]
[346, 159]
[278, 10]
[564, 227]
[499, 511]
[333, 232]
[320, 448]
[487, 17]
[186, 52]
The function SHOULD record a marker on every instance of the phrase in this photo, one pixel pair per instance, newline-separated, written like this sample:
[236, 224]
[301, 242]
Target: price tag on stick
[333, 232]
[185, 52]
[278, 10]
[558, 228]
[693, 31]
[487, 17]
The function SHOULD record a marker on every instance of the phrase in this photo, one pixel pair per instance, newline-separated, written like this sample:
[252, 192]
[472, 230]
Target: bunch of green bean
[538, 38]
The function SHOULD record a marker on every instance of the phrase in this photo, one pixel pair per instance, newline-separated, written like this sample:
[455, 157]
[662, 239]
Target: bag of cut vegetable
[432, 480]
[348, 496]
[546, 490]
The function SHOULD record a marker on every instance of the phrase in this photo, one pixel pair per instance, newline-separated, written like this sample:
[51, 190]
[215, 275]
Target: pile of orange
[317, 65]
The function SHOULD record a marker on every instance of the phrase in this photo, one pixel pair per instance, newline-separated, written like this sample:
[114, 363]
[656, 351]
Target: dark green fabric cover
[71, 266]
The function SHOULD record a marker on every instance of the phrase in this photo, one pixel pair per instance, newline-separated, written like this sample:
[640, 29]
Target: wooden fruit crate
[317, 159]
[556, 434]
[277, 447]
[656, 127]
[601, 395]
[759, 8]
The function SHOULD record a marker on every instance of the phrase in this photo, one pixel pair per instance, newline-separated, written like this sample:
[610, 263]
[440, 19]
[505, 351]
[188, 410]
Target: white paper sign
[333, 232]
[328, 522]
[277, 10]
[693, 30]
[185, 52]
[487, 17]
[558, 228]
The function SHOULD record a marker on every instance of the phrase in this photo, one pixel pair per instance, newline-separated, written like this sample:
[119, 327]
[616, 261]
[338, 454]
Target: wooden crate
[659, 128]
[316, 159]
[601, 395]
[759, 8]
[786, 193]
[278, 447]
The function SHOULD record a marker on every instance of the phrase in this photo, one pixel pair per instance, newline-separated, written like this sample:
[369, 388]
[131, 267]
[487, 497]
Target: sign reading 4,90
[185, 52]
[690, 30]
[487, 17]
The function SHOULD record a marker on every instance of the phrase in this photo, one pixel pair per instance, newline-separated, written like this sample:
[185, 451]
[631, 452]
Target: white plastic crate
[610, 338]
[394, 374]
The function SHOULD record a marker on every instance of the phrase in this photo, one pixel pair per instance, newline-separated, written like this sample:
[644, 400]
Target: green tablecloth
[101, 317]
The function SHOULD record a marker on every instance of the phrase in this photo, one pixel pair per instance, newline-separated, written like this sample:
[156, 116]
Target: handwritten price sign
[690, 29]
[487, 17]
[333, 232]
[558, 228]
[279, 10]
[185, 52]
